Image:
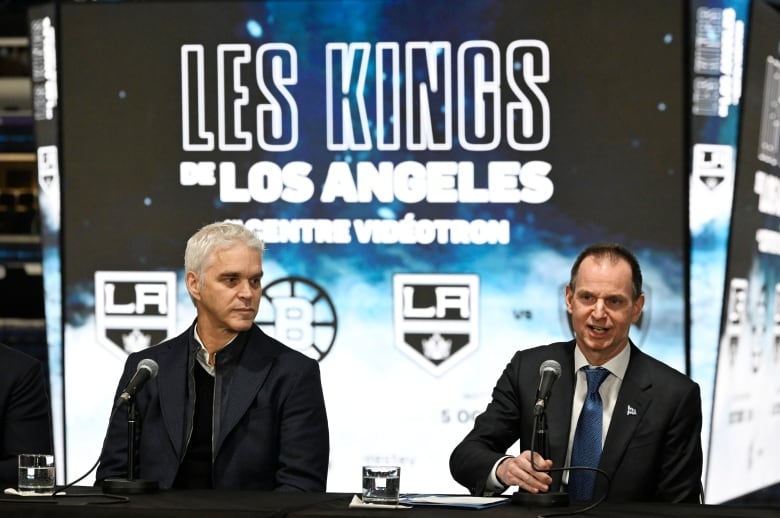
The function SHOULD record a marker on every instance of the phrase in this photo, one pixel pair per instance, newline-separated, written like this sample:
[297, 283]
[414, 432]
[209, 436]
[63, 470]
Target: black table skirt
[90, 502]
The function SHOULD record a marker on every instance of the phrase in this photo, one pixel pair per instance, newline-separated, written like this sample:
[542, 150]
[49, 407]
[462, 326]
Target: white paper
[457, 500]
[357, 502]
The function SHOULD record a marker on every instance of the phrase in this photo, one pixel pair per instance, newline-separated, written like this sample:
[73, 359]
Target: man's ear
[639, 303]
[193, 286]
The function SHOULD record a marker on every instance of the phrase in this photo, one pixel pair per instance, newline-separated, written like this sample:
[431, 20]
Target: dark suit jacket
[270, 424]
[25, 422]
[653, 446]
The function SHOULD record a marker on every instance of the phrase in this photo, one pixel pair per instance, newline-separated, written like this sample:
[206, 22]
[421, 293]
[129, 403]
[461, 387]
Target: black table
[90, 502]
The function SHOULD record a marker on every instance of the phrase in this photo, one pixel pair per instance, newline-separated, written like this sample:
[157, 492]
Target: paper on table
[357, 502]
[13, 491]
[454, 500]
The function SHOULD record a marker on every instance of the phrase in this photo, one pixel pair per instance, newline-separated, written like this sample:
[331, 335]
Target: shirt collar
[616, 366]
[202, 355]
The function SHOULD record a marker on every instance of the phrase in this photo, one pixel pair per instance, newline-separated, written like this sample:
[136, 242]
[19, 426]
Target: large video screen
[423, 175]
[718, 31]
[745, 425]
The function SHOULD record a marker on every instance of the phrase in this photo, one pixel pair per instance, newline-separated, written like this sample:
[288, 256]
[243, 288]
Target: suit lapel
[559, 410]
[250, 374]
[630, 407]
[172, 389]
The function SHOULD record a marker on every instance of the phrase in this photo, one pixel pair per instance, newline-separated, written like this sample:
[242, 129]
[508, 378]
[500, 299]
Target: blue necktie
[586, 448]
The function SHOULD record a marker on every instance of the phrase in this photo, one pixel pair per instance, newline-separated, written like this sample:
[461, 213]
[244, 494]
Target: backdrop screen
[423, 175]
[743, 448]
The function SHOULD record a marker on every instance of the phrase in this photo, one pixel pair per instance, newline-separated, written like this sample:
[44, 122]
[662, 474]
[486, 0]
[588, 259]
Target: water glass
[381, 484]
[36, 474]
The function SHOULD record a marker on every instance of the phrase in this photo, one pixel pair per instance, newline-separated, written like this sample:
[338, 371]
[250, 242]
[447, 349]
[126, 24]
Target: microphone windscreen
[149, 365]
[550, 365]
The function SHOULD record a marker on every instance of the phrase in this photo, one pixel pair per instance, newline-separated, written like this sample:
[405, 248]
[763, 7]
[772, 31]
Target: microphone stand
[540, 438]
[130, 485]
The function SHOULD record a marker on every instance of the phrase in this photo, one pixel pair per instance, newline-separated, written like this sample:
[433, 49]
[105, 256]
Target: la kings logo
[436, 318]
[134, 310]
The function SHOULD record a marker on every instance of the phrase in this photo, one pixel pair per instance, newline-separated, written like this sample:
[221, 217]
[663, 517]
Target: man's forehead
[599, 277]
[244, 269]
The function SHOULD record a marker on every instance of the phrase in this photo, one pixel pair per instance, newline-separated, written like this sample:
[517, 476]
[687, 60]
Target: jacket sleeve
[681, 467]
[304, 447]
[495, 430]
[26, 421]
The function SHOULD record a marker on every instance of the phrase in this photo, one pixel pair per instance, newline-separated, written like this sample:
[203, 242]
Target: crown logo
[436, 347]
[135, 341]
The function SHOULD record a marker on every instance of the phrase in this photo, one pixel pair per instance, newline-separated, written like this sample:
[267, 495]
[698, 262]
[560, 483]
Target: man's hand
[517, 471]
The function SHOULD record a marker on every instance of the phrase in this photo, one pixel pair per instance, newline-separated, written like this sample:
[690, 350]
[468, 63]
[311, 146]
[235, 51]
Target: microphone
[549, 370]
[146, 370]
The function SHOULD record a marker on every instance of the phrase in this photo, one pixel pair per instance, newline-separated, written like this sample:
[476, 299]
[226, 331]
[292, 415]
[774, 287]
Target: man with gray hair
[231, 408]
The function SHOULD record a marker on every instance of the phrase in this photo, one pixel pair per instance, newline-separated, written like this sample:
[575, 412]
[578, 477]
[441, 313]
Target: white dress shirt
[608, 391]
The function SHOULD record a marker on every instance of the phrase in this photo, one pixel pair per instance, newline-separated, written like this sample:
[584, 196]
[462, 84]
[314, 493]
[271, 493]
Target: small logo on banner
[712, 164]
[436, 318]
[302, 316]
[48, 169]
[134, 310]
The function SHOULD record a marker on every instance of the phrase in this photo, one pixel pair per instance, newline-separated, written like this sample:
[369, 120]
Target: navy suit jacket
[271, 429]
[652, 450]
[25, 422]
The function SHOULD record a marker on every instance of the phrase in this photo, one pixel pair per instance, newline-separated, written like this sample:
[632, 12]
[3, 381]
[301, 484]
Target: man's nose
[245, 289]
[598, 309]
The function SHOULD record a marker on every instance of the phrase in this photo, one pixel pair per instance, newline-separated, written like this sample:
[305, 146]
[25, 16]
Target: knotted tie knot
[596, 377]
